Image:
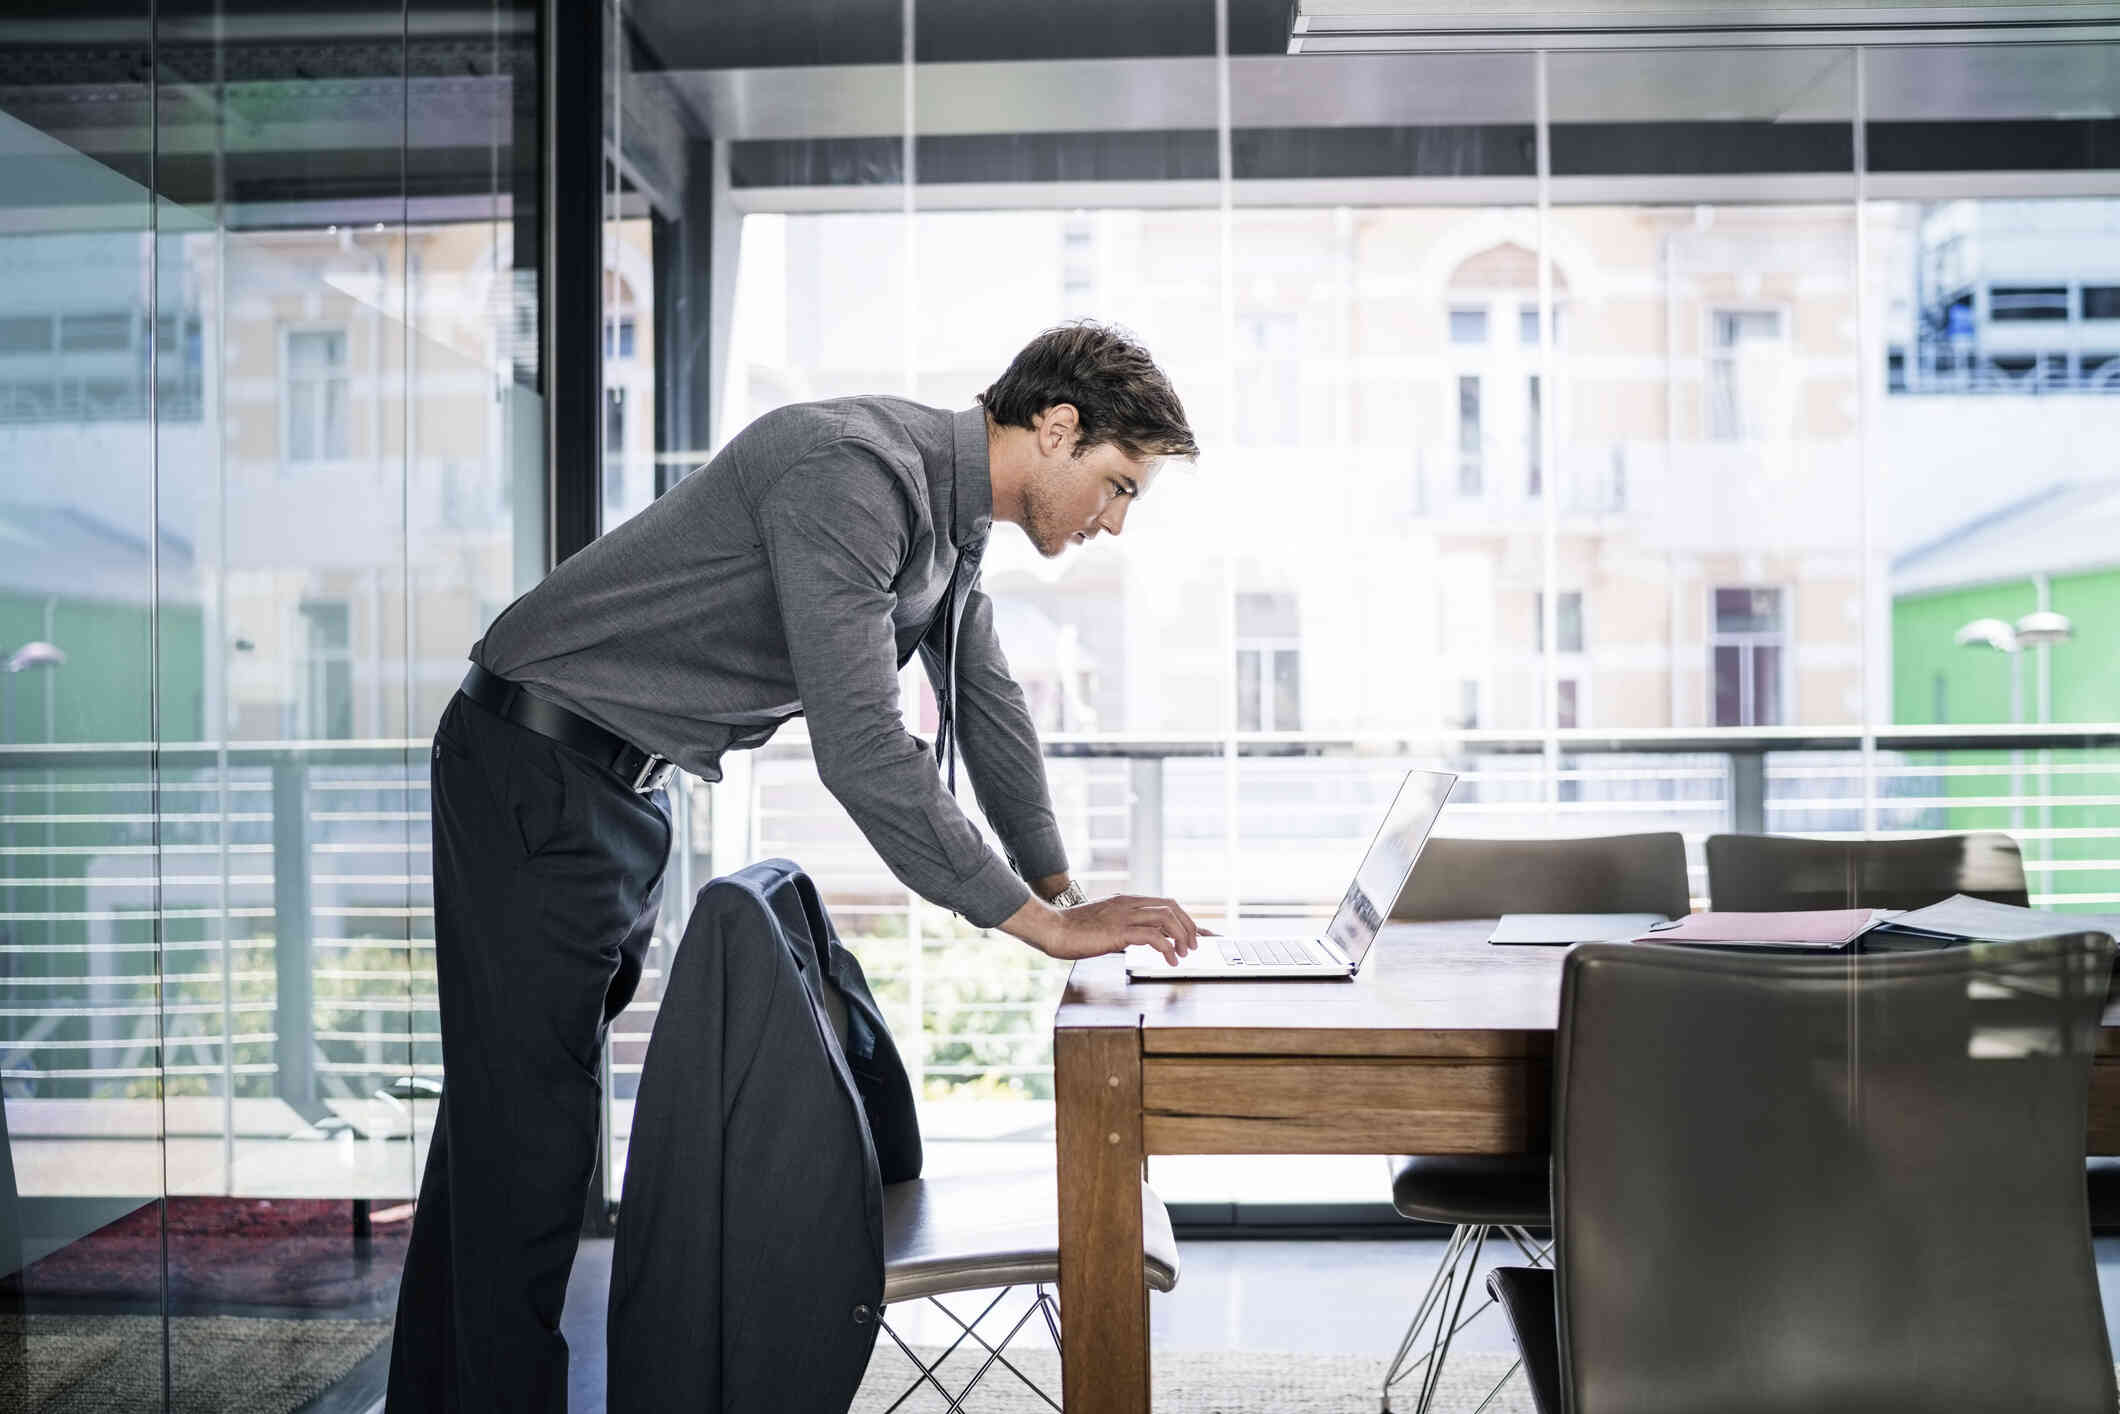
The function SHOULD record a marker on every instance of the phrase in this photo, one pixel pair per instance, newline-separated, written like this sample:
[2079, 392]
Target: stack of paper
[1963, 919]
[1807, 930]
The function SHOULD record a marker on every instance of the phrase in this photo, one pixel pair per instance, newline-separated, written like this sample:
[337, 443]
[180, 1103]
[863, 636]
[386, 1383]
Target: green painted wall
[1971, 686]
[103, 691]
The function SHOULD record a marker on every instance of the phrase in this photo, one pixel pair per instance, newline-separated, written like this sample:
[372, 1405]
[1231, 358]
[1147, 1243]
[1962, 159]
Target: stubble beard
[1041, 525]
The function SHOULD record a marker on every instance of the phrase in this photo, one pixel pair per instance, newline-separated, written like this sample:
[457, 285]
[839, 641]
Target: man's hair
[1118, 393]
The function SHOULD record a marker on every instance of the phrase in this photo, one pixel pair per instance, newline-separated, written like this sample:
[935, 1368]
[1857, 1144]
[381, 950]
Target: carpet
[1199, 1382]
[217, 1364]
[223, 1252]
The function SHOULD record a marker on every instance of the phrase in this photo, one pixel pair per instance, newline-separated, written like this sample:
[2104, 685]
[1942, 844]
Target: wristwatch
[1069, 896]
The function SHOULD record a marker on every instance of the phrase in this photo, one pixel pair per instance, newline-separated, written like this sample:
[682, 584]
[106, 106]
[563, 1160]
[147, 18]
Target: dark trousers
[547, 875]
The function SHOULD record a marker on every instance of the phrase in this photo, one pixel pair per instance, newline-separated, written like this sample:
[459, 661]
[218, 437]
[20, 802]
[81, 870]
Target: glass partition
[269, 460]
[86, 351]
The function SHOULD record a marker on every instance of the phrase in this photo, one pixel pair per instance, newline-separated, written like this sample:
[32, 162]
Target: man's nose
[1114, 518]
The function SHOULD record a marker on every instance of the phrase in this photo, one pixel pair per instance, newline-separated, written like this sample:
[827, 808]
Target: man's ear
[1058, 426]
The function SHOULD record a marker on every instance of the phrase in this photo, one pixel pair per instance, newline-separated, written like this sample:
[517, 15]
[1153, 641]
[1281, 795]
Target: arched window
[1493, 339]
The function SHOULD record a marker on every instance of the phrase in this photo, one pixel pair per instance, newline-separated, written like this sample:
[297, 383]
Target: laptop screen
[1390, 859]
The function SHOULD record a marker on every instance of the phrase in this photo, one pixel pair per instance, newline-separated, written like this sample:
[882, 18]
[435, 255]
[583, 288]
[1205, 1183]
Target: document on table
[1961, 918]
[1809, 930]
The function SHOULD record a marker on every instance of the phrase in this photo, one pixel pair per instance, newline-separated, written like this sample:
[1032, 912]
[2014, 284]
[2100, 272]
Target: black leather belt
[642, 771]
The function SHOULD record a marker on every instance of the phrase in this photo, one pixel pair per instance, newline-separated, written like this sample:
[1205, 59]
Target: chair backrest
[1770, 873]
[1457, 878]
[1790, 1184]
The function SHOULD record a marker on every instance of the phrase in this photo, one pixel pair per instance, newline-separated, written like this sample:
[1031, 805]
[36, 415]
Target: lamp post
[2034, 630]
[34, 654]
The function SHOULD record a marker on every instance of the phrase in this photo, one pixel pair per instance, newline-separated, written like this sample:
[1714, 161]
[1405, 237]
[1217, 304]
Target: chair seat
[1491, 1190]
[2102, 1179]
[979, 1230]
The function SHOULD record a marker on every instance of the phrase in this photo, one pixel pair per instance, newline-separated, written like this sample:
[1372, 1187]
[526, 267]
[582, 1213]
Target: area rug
[217, 1364]
[223, 1252]
[1193, 1382]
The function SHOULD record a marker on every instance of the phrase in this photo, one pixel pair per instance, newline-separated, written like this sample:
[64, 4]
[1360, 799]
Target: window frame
[1269, 648]
[312, 677]
[1711, 357]
[288, 330]
[1783, 639]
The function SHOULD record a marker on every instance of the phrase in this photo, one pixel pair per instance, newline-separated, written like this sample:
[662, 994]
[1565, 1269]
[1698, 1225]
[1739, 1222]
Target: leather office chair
[1773, 873]
[1502, 1198]
[2102, 1180]
[979, 1232]
[1788, 1184]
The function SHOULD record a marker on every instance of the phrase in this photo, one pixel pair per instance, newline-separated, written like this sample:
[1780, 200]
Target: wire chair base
[1442, 1315]
[1042, 1304]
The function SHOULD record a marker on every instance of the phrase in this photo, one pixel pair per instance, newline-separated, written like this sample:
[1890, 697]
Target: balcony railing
[225, 946]
[2027, 373]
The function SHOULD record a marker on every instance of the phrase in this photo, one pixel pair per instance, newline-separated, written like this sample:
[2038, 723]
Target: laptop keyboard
[1267, 952]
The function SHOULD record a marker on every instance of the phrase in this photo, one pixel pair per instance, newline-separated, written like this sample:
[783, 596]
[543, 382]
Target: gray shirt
[795, 574]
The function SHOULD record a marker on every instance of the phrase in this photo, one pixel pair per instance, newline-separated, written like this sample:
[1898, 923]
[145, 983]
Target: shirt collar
[972, 481]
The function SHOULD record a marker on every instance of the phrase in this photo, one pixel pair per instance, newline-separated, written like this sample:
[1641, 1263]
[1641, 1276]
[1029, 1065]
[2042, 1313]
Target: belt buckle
[653, 772]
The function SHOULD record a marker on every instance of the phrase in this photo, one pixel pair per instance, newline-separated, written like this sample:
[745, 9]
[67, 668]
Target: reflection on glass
[81, 1133]
[209, 944]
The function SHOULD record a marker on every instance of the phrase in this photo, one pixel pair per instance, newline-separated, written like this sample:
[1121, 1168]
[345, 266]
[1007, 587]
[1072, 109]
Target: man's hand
[1107, 925]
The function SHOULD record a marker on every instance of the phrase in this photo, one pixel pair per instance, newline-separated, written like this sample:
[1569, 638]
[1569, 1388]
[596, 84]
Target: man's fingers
[1182, 926]
[1162, 918]
[1174, 921]
[1153, 936]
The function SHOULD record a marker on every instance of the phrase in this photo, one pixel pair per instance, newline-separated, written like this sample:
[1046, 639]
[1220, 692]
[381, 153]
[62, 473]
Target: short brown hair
[1118, 393]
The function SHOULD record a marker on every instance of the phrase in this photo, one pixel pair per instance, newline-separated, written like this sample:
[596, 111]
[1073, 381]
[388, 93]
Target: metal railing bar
[202, 1038]
[175, 817]
[128, 849]
[144, 915]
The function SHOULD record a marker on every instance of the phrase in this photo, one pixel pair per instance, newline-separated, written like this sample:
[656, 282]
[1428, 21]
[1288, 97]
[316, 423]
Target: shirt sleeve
[836, 529]
[1000, 743]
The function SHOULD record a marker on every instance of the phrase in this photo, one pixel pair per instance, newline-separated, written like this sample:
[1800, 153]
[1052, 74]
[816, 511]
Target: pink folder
[1815, 928]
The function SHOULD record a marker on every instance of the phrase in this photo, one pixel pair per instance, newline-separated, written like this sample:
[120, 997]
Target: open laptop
[1339, 952]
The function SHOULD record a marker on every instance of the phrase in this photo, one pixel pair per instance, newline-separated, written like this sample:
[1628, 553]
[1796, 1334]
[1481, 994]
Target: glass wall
[270, 458]
[1631, 431]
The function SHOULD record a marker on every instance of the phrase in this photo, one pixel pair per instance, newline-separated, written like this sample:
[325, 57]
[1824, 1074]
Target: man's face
[1071, 500]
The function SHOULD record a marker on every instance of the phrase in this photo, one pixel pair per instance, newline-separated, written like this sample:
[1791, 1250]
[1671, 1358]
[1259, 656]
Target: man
[794, 574]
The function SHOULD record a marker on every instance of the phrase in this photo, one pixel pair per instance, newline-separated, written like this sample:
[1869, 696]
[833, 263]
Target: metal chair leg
[1436, 1303]
[994, 1351]
[1537, 1254]
[1498, 1385]
[1447, 1329]
[1041, 1304]
[1051, 1308]
[1399, 1369]
[927, 1372]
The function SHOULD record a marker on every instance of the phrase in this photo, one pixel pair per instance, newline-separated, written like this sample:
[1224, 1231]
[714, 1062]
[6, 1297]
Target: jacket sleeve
[836, 528]
[1000, 743]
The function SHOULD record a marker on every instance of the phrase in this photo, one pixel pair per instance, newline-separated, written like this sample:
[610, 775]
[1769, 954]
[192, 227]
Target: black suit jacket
[772, 1109]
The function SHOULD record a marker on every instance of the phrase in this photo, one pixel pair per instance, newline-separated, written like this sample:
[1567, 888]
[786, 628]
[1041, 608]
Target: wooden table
[1443, 1045]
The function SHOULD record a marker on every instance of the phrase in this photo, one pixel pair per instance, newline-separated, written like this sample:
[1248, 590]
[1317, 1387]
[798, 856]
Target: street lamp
[34, 654]
[2037, 629]
[2044, 626]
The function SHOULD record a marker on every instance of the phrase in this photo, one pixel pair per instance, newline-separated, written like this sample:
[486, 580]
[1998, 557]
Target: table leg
[1103, 1299]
